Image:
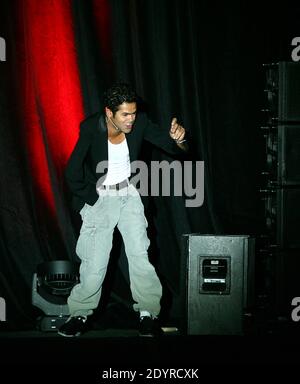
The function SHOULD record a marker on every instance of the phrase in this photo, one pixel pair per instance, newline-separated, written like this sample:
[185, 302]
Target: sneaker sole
[65, 335]
[148, 335]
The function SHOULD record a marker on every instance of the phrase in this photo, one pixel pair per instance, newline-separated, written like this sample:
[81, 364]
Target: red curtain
[41, 109]
[50, 89]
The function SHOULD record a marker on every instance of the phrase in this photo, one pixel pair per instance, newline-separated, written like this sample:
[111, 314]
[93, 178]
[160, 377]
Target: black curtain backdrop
[200, 61]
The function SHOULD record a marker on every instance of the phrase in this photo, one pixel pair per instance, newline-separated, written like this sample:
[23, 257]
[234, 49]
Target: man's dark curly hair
[118, 94]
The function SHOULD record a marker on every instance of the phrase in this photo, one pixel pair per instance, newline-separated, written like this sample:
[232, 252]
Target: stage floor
[123, 347]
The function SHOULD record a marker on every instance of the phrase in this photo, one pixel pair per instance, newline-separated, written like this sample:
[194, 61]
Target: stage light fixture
[51, 286]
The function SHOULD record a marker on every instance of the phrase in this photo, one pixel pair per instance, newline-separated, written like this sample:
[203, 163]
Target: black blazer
[92, 148]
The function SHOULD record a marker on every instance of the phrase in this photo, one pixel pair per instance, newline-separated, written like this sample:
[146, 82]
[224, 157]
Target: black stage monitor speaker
[218, 283]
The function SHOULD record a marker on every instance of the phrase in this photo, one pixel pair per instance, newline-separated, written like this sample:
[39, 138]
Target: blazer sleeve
[159, 136]
[75, 171]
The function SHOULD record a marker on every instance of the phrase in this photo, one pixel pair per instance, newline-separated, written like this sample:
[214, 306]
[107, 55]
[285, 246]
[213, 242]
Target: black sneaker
[74, 326]
[149, 327]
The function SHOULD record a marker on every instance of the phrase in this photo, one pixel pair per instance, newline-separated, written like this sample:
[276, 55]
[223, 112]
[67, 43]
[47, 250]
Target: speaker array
[281, 189]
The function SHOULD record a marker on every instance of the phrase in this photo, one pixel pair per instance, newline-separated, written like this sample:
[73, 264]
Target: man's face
[124, 117]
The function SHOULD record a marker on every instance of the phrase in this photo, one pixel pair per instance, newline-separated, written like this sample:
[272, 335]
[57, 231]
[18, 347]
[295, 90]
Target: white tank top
[118, 163]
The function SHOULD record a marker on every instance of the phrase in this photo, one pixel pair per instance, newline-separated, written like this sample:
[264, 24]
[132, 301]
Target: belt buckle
[119, 186]
[122, 184]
